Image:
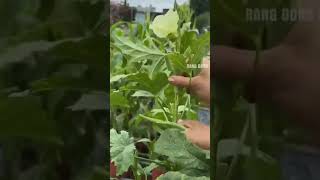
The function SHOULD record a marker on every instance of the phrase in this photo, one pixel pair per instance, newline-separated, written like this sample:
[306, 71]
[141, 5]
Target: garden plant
[247, 133]
[145, 139]
[53, 100]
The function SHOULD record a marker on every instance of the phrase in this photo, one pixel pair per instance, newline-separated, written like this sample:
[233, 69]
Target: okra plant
[143, 56]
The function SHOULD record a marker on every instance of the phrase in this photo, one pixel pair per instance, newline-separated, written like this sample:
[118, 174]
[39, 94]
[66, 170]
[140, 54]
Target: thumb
[180, 81]
[232, 63]
[188, 123]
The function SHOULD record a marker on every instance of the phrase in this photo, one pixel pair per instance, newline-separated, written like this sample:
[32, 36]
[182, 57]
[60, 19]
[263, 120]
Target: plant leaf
[91, 101]
[154, 86]
[20, 52]
[136, 50]
[122, 150]
[179, 176]
[23, 117]
[118, 77]
[187, 39]
[189, 159]
[118, 100]
[200, 48]
[228, 148]
[178, 63]
[142, 93]
[149, 168]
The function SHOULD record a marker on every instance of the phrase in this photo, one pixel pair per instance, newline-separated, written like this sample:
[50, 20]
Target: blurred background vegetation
[53, 81]
[231, 27]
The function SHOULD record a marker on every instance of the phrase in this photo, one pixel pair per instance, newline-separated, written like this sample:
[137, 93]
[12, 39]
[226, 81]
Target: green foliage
[144, 82]
[136, 50]
[179, 176]
[122, 150]
[161, 122]
[91, 101]
[117, 99]
[141, 62]
[188, 159]
[27, 110]
[143, 102]
[52, 89]
[240, 151]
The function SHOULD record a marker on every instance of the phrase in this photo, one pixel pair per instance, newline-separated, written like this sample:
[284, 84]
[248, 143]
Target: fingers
[197, 133]
[206, 68]
[231, 63]
[180, 81]
[206, 61]
[188, 123]
[185, 82]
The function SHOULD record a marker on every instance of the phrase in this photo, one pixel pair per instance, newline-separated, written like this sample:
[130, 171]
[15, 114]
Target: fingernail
[170, 79]
[180, 121]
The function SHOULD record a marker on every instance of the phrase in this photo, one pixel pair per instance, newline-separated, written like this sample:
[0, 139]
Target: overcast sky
[158, 4]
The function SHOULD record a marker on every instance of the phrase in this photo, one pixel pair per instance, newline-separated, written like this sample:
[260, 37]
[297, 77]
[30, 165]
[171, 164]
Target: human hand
[287, 76]
[197, 133]
[199, 85]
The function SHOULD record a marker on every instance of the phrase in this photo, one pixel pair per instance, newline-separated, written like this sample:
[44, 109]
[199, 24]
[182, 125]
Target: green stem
[253, 107]
[185, 105]
[189, 99]
[177, 102]
[253, 130]
[235, 159]
[161, 122]
[175, 105]
[160, 102]
[113, 120]
[135, 170]
[150, 160]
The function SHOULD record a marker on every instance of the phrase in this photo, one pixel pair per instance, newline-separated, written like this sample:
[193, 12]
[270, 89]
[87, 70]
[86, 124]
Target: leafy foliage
[141, 62]
[122, 150]
[246, 150]
[143, 103]
[136, 50]
[188, 159]
[52, 89]
[179, 176]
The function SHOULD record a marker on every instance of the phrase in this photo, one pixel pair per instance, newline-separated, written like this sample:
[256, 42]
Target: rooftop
[159, 5]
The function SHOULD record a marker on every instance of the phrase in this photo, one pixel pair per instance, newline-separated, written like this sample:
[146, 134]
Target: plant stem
[135, 169]
[113, 119]
[253, 130]
[239, 148]
[160, 102]
[175, 105]
[253, 107]
[185, 105]
[162, 122]
[149, 160]
[189, 96]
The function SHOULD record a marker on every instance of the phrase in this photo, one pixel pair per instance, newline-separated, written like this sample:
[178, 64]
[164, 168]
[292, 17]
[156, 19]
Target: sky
[158, 4]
